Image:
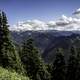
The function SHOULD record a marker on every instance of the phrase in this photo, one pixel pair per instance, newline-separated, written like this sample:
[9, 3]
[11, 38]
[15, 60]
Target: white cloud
[77, 11]
[64, 23]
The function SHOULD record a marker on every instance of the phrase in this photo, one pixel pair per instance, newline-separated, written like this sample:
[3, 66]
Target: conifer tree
[77, 53]
[33, 63]
[72, 65]
[1, 34]
[78, 64]
[9, 58]
[58, 72]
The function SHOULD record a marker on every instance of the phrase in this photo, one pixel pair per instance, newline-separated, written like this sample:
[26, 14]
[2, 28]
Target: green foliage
[9, 57]
[58, 71]
[73, 64]
[49, 68]
[8, 75]
[33, 63]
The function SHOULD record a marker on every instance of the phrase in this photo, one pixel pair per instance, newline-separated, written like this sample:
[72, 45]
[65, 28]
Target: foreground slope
[8, 75]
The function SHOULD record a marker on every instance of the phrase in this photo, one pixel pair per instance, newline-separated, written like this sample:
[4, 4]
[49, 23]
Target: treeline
[66, 70]
[27, 60]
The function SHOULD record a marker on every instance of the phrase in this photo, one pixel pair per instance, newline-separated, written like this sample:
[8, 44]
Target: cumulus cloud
[77, 11]
[30, 25]
[64, 24]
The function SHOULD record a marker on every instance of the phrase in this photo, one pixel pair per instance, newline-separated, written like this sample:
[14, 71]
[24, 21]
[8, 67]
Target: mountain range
[47, 41]
[48, 35]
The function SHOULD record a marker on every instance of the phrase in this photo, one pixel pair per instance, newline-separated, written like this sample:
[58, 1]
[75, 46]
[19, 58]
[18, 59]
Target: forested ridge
[26, 62]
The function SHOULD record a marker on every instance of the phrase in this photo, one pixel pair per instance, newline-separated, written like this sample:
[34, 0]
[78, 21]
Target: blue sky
[21, 10]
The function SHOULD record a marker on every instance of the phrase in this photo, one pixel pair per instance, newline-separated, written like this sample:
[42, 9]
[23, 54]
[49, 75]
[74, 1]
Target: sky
[45, 10]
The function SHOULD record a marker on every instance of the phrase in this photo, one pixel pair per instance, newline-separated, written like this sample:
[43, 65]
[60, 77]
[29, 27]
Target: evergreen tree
[33, 63]
[1, 41]
[78, 65]
[72, 65]
[49, 68]
[77, 53]
[9, 58]
[58, 72]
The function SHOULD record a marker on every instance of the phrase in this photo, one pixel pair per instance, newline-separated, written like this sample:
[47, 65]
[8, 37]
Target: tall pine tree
[58, 72]
[72, 65]
[78, 64]
[33, 63]
[9, 58]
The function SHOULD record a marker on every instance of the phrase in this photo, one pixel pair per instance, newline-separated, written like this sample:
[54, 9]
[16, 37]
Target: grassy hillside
[8, 75]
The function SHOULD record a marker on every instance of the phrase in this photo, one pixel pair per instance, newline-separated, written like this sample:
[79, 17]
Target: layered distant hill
[47, 41]
[48, 35]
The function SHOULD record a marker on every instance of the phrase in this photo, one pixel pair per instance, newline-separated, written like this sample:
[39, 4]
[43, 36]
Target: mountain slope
[43, 39]
[8, 75]
[64, 42]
